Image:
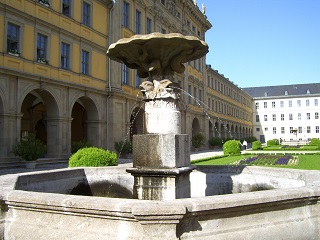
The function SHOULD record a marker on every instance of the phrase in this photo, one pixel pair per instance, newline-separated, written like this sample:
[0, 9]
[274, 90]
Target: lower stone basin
[227, 202]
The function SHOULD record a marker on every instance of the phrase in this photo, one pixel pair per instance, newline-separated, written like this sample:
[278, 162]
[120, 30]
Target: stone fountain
[161, 158]
[163, 198]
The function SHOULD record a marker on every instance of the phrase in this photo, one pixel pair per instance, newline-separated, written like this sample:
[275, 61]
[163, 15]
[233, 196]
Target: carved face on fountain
[157, 56]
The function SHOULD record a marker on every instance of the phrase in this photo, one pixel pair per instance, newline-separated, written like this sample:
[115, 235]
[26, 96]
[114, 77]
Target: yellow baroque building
[56, 80]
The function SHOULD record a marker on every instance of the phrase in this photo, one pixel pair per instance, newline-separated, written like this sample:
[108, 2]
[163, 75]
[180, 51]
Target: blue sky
[264, 42]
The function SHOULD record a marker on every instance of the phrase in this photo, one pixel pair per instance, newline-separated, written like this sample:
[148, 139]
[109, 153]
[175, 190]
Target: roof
[283, 90]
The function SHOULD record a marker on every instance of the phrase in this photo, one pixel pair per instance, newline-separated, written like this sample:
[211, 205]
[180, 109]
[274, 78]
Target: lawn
[306, 162]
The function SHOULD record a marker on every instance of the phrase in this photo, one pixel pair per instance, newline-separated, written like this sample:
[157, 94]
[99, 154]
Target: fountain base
[161, 166]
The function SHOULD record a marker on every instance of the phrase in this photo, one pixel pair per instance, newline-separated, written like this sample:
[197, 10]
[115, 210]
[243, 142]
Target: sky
[264, 42]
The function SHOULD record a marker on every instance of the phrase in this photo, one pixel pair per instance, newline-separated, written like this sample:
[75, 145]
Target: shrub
[30, 148]
[197, 140]
[251, 139]
[75, 146]
[232, 147]
[93, 157]
[256, 145]
[123, 147]
[315, 142]
[214, 141]
[272, 142]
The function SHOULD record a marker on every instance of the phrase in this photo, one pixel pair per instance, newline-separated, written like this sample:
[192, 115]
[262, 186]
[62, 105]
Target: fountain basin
[39, 205]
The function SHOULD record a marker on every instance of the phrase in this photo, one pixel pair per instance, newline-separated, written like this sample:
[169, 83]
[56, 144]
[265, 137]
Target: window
[257, 105]
[317, 129]
[212, 105]
[138, 80]
[281, 104]
[189, 92]
[291, 129]
[308, 116]
[125, 74]
[316, 115]
[193, 28]
[85, 62]
[257, 118]
[265, 105]
[66, 9]
[65, 55]
[316, 102]
[163, 2]
[188, 24]
[282, 117]
[164, 31]
[266, 129]
[125, 14]
[274, 130]
[149, 25]
[290, 103]
[307, 102]
[86, 13]
[299, 129]
[299, 116]
[274, 117]
[42, 48]
[138, 22]
[265, 118]
[299, 103]
[195, 95]
[13, 33]
[290, 116]
[283, 130]
[200, 95]
[273, 104]
[308, 129]
[257, 129]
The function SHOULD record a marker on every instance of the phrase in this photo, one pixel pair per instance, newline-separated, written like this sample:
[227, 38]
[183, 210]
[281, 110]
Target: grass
[305, 162]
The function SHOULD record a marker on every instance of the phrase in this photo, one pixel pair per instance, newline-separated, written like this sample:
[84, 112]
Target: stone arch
[211, 131]
[195, 127]
[85, 124]
[40, 115]
[136, 121]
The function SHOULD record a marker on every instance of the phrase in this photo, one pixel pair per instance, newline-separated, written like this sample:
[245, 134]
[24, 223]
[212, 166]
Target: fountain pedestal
[161, 158]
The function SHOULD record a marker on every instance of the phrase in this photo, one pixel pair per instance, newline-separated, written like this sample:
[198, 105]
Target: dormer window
[286, 93]
[265, 94]
[308, 91]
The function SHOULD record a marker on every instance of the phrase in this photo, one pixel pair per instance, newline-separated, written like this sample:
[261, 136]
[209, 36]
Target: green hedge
[232, 147]
[214, 141]
[197, 140]
[256, 145]
[123, 147]
[93, 157]
[273, 142]
[315, 142]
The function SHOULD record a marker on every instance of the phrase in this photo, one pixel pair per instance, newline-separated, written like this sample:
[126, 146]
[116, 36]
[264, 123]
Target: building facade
[287, 112]
[56, 80]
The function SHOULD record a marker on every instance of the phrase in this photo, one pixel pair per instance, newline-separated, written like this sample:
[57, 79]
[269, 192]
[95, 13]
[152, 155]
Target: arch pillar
[58, 137]
[10, 127]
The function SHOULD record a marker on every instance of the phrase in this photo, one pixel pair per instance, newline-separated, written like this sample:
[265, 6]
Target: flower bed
[265, 159]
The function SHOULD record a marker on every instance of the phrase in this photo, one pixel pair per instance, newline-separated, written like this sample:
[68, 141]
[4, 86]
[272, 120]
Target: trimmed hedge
[256, 145]
[273, 142]
[93, 157]
[232, 147]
